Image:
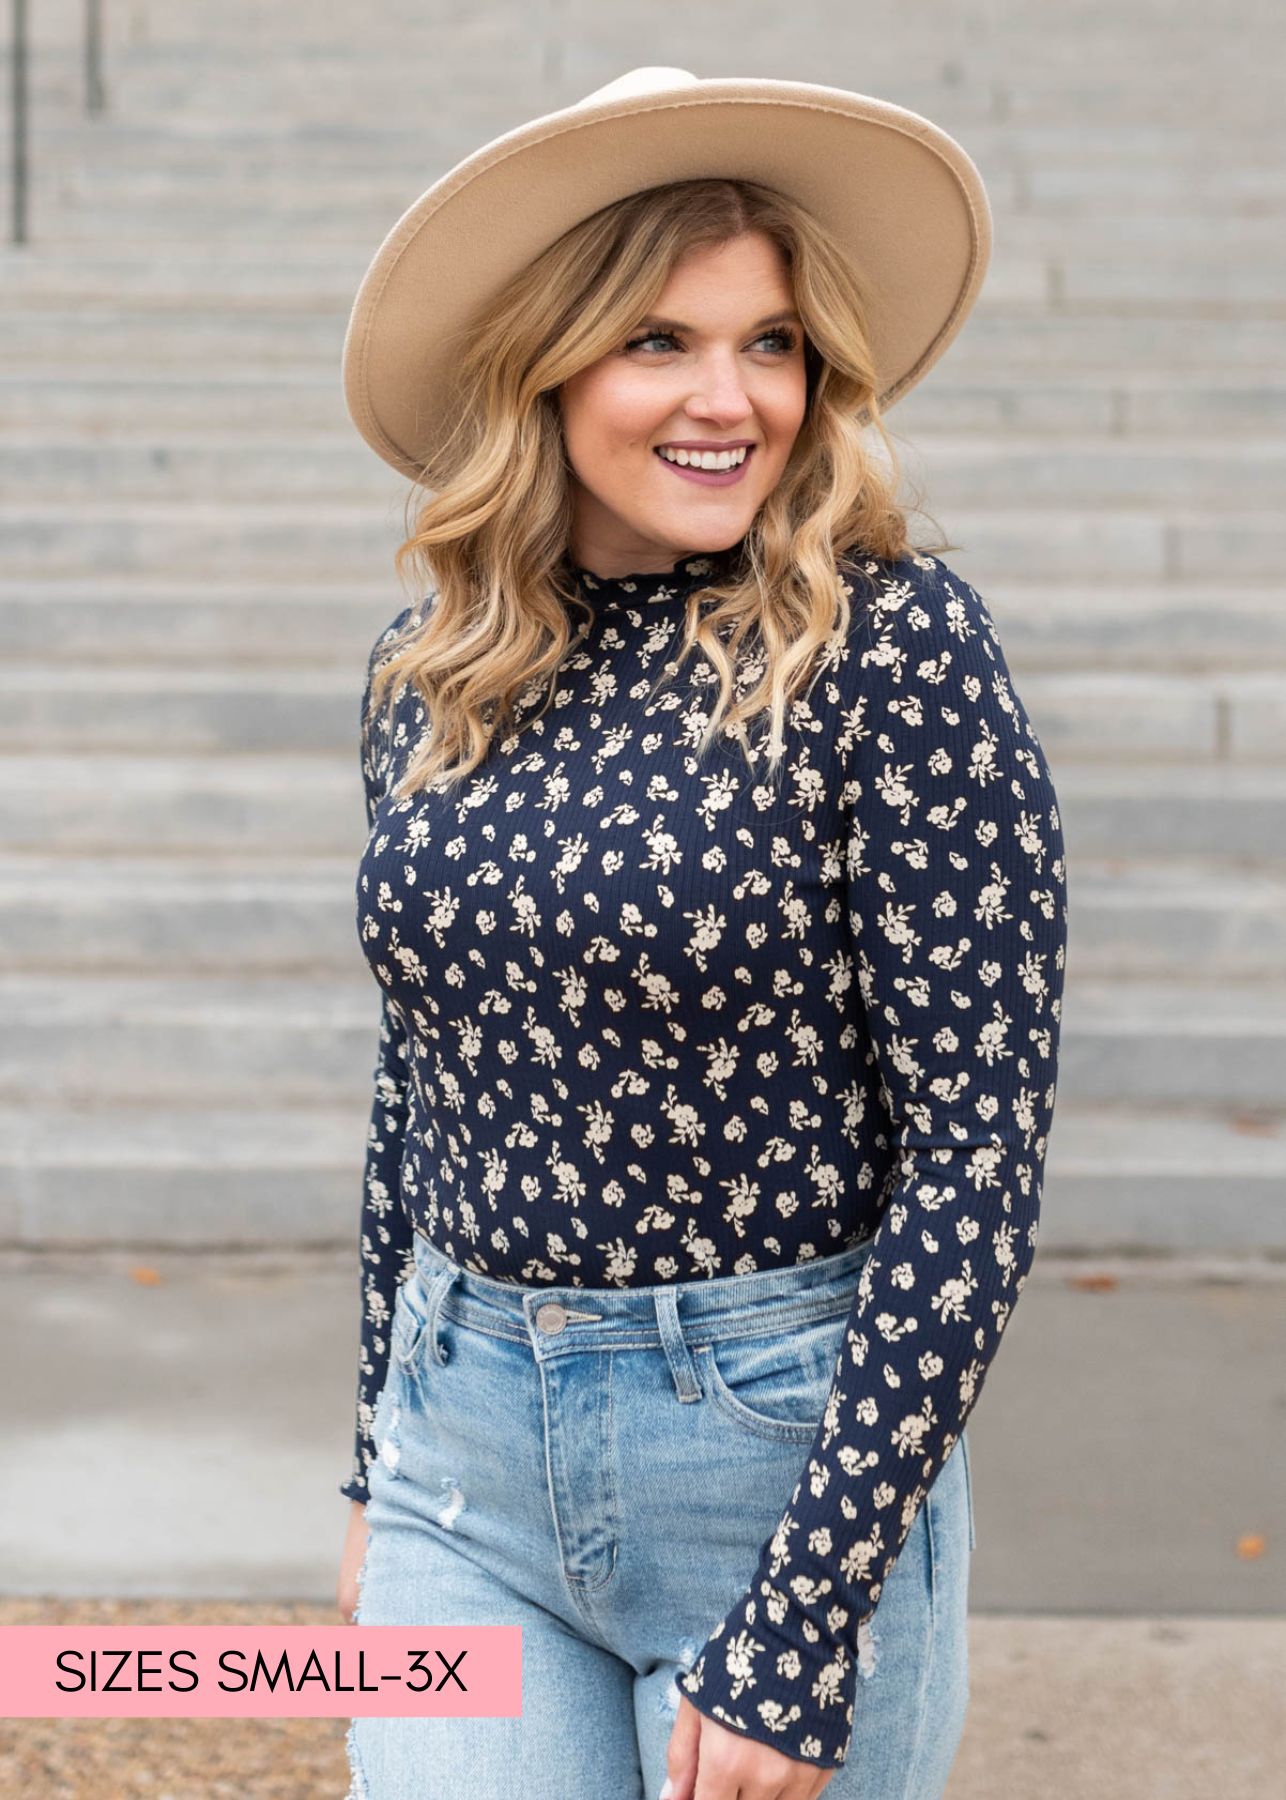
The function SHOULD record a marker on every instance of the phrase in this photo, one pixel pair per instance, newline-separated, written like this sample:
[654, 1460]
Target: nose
[722, 393]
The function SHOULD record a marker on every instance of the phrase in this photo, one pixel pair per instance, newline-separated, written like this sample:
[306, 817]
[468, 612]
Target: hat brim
[898, 193]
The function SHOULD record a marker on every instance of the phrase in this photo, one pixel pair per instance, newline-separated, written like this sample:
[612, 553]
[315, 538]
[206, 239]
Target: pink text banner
[260, 1671]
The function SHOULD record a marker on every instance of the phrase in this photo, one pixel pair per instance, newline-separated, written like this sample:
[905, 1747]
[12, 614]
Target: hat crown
[635, 82]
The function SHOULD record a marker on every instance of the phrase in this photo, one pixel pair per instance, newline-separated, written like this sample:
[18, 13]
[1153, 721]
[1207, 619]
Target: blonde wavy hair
[491, 541]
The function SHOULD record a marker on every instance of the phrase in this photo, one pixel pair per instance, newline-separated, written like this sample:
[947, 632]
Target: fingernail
[668, 1789]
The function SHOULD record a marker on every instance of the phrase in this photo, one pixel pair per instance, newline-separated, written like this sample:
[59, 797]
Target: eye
[784, 336]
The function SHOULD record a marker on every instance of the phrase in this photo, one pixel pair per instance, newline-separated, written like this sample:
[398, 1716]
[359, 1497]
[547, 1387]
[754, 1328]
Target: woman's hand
[706, 1761]
[351, 1562]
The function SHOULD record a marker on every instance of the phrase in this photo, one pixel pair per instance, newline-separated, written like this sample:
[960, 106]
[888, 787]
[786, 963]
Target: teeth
[706, 459]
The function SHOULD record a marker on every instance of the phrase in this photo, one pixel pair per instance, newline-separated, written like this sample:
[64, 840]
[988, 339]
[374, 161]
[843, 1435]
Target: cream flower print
[649, 1017]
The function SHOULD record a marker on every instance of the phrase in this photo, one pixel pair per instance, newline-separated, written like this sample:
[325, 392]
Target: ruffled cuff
[771, 1674]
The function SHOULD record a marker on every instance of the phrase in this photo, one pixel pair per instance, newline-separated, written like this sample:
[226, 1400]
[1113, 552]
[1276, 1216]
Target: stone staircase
[196, 555]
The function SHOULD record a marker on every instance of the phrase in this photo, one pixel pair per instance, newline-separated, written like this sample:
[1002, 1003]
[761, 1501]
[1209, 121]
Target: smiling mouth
[694, 467]
[731, 458]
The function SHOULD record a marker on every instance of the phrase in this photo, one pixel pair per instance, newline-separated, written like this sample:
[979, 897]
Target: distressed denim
[602, 1468]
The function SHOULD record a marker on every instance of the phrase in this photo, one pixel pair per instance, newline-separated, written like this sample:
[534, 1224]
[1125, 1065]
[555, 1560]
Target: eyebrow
[772, 319]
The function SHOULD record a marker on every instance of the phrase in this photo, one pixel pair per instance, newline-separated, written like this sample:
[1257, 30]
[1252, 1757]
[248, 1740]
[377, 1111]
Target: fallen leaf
[146, 1277]
[1093, 1284]
[1250, 1547]
[1255, 1124]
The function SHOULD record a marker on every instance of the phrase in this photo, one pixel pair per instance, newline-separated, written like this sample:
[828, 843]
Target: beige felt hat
[894, 188]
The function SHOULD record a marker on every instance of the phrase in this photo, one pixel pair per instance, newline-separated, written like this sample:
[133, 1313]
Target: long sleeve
[956, 895]
[386, 1234]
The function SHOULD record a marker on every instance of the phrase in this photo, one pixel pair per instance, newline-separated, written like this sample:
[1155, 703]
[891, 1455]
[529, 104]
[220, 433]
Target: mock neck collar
[651, 589]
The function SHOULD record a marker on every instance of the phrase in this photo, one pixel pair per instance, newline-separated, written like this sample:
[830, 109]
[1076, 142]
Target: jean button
[551, 1317]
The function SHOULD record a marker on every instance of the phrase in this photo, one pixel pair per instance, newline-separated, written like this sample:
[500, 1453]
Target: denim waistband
[560, 1319]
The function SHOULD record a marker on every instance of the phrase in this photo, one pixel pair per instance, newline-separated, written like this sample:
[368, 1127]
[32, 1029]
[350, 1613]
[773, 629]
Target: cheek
[786, 419]
[607, 418]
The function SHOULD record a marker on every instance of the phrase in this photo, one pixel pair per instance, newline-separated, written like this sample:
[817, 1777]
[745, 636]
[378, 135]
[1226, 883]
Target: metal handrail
[95, 103]
[94, 100]
[19, 122]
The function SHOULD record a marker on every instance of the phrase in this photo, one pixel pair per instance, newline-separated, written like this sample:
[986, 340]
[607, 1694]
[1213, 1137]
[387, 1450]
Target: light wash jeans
[602, 1467]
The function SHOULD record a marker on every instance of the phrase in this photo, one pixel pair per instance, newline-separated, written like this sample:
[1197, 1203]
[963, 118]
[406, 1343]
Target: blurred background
[195, 558]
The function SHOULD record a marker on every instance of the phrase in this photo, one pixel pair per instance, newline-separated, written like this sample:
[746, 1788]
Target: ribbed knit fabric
[648, 1018]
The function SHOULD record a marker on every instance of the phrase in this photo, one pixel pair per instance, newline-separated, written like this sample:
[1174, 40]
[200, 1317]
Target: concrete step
[1008, 346]
[94, 402]
[167, 622]
[201, 77]
[100, 339]
[1199, 918]
[230, 711]
[267, 807]
[1105, 231]
[1193, 809]
[1158, 283]
[1168, 1041]
[221, 466]
[503, 77]
[1196, 627]
[1185, 918]
[1117, 1178]
[1113, 545]
[210, 914]
[197, 1176]
[1122, 1177]
[304, 1041]
[313, 278]
[172, 622]
[358, 541]
[109, 1041]
[65, 342]
[1255, 189]
[1191, 404]
[1116, 716]
[290, 538]
[1089, 716]
[306, 84]
[974, 471]
[954, 471]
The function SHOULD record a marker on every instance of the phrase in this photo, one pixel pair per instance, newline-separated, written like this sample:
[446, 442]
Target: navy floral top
[651, 1018]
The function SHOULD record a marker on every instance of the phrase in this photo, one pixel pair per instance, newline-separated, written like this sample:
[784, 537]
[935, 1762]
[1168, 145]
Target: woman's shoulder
[896, 584]
[913, 606]
[400, 712]
[405, 624]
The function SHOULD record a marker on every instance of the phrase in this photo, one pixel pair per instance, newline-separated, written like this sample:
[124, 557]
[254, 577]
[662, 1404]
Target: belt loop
[436, 1295]
[682, 1366]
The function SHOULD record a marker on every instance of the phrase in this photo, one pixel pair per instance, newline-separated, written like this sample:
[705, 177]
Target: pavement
[1130, 1436]
[179, 1427]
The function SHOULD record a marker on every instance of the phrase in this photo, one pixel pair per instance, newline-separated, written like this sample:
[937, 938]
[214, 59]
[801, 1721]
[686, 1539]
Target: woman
[715, 885]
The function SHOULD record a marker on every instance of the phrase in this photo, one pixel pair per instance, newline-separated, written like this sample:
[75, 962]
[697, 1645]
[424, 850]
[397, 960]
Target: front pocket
[775, 1384]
